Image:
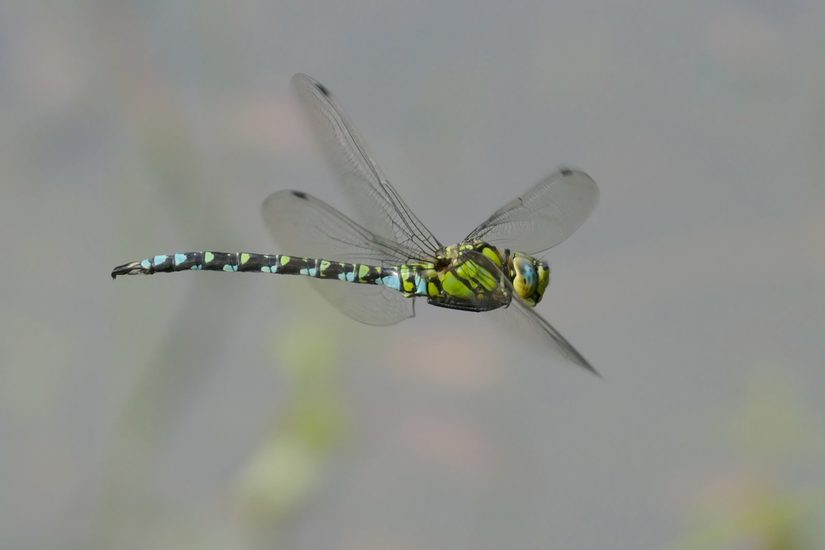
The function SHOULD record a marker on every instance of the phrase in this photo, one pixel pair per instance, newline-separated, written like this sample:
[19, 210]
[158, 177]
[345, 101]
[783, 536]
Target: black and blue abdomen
[251, 262]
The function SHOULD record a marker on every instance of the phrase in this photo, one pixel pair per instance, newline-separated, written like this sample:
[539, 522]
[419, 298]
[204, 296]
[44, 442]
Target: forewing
[305, 226]
[378, 204]
[522, 318]
[544, 216]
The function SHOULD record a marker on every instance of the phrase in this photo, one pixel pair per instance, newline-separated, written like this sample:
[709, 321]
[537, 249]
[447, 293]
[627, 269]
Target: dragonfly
[389, 256]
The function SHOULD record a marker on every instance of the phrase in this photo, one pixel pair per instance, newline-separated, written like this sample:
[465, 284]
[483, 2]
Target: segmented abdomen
[264, 263]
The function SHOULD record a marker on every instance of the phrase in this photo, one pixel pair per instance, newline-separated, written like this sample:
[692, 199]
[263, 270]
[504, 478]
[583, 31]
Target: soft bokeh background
[214, 411]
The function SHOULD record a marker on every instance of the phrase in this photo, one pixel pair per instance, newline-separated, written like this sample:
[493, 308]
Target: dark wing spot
[300, 194]
[322, 89]
[565, 171]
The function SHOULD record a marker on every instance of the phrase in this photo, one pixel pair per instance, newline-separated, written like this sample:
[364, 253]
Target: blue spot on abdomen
[421, 285]
[392, 281]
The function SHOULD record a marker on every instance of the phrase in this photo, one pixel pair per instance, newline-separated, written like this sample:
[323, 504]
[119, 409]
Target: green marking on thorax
[492, 255]
[477, 275]
[208, 257]
[454, 287]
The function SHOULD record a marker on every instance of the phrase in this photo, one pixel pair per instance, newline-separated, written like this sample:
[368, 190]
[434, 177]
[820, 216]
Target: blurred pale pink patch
[272, 125]
[449, 446]
[453, 359]
[746, 42]
[53, 72]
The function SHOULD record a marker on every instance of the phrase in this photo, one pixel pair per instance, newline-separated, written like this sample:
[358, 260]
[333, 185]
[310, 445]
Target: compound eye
[525, 279]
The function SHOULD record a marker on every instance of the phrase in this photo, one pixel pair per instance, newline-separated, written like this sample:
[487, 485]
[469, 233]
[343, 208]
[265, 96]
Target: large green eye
[544, 280]
[525, 277]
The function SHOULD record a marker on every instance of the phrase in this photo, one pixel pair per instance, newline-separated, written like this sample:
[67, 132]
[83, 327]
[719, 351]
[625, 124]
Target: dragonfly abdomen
[200, 261]
[250, 262]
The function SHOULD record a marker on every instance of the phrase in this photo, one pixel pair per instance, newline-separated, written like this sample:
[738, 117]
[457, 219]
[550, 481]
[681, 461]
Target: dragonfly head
[530, 277]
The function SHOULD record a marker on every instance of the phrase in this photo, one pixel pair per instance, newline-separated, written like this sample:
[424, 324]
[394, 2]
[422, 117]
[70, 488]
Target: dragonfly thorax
[481, 264]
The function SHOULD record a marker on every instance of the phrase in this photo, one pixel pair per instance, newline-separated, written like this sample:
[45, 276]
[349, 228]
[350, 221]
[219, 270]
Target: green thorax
[465, 276]
[471, 275]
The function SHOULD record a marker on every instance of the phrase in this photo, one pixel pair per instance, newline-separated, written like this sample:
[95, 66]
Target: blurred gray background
[215, 411]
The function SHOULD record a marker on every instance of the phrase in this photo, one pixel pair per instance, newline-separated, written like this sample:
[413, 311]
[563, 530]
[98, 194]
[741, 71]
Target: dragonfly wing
[544, 216]
[304, 225]
[379, 205]
[368, 304]
[522, 319]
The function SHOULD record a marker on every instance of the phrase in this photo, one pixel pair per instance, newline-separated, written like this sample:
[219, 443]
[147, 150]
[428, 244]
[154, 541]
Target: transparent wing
[306, 226]
[527, 322]
[544, 216]
[522, 319]
[371, 305]
[378, 204]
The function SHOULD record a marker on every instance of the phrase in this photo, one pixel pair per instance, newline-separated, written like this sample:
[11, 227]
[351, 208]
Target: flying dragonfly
[391, 256]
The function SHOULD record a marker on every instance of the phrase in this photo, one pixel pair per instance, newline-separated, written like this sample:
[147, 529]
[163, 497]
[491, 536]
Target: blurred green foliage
[767, 502]
[283, 474]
